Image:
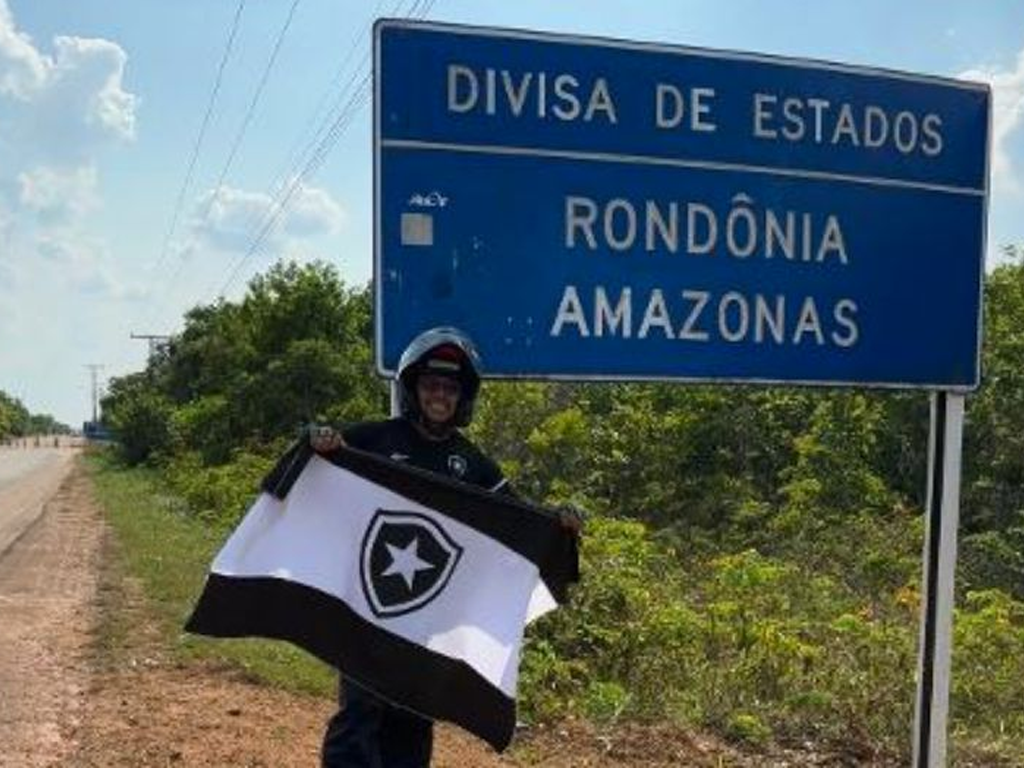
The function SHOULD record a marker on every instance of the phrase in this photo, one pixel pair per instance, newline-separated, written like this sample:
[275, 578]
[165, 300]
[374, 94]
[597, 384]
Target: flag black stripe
[533, 532]
[428, 683]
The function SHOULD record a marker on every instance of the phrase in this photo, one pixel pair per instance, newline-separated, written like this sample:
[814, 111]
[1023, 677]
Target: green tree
[14, 417]
[993, 488]
[295, 348]
[139, 415]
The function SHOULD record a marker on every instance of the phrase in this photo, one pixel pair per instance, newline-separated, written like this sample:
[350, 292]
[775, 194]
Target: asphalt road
[28, 477]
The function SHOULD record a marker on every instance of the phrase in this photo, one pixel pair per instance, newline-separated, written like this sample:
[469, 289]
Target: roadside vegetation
[168, 551]
[17, 421]
[753, 560]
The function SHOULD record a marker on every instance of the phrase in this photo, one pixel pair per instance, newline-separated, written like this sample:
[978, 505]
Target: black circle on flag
[407, 559]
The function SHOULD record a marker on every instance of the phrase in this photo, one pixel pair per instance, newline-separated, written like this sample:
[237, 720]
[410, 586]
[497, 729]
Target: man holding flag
[447, 575]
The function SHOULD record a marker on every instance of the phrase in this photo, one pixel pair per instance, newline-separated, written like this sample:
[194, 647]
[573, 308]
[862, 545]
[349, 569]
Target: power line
[295, 161]
[197, 145]
[312, 165]
[294, 158]
[325, 145]
[252, 104]
[237, 142]
[202, 134]
[263, 224]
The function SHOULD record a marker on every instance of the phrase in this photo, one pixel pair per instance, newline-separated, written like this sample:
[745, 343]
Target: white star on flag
[406, 562]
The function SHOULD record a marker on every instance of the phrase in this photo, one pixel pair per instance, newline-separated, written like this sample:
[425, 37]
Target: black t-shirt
[455, 456]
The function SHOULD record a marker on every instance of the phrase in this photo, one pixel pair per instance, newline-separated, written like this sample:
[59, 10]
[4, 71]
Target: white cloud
[1007, 117]
[59, 195]
[86, 80]
[6, 230]
[229, 220]
[58, 109]
[226, 219]
[83, 266]
[313, 212]
[102, 284]
[9, 255]
[63, 295]
[22, 67]
[79, 107]
[8, 280]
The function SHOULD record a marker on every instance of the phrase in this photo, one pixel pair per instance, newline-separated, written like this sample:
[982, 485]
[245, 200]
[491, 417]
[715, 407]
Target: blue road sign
[588, 208]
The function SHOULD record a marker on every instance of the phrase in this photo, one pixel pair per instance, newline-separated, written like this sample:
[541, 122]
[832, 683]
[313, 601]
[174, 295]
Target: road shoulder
[47, 589]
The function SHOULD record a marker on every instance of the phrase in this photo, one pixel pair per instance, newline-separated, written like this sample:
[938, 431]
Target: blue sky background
[101, 103]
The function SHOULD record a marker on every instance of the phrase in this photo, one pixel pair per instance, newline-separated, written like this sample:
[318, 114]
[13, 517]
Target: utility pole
[154, 340]
[94, 370]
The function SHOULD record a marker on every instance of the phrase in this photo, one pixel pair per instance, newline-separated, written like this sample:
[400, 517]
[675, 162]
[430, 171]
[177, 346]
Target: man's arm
[571, 517]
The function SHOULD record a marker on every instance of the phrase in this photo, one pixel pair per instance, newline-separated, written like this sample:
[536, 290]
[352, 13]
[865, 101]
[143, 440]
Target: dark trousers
[368, 732]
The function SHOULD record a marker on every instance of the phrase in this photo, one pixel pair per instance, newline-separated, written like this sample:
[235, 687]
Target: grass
[169, 554]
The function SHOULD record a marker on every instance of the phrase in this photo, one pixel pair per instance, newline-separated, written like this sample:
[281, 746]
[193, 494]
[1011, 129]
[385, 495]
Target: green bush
[205, 426]
[140, 416]
[220, 494]
[604, 701]
[748, 729]
[746, 644]
[988, 664]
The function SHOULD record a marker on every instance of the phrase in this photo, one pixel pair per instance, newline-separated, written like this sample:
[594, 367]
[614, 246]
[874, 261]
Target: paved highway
[28, 478]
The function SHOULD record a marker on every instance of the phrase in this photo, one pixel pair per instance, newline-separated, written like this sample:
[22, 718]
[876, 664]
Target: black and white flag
[416, 587]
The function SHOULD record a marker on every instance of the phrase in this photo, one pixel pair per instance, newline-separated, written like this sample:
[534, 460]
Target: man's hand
[571, 518]
[324, 439]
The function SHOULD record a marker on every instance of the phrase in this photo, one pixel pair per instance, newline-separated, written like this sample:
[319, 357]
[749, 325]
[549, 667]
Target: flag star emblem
[406, 559]
[406, 562]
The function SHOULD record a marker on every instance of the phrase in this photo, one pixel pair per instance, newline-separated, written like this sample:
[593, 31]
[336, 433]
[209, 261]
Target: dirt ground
[48, 575]
[73, 695]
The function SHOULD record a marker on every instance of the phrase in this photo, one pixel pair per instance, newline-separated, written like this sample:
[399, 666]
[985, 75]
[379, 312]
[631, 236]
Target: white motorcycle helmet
[445, 351]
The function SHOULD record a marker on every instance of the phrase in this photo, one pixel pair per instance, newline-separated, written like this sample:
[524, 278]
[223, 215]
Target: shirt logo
[457, 465]
[407, 560]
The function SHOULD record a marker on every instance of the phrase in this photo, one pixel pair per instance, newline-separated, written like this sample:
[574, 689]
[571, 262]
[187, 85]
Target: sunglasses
[441, 384]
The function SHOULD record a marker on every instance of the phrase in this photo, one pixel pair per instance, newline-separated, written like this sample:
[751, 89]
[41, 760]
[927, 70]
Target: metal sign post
[393, 397]
[935, 647]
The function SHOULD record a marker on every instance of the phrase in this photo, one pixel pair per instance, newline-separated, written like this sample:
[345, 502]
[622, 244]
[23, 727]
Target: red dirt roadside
[48, 570]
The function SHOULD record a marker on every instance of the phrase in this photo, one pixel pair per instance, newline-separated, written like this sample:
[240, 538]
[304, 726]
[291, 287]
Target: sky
[146, 144]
